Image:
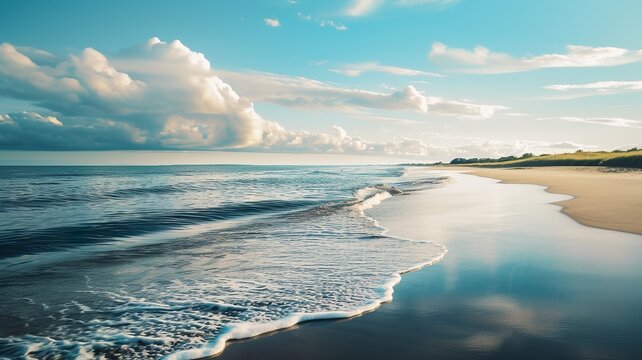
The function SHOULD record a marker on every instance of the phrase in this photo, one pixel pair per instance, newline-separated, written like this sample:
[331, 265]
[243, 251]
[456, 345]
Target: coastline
[245, 331]
[605, 198]
[509, 287]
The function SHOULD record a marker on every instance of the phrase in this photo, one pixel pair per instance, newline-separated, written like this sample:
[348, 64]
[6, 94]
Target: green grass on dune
[627, 159]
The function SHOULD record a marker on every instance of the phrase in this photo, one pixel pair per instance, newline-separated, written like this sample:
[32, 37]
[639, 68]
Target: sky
[339, 81]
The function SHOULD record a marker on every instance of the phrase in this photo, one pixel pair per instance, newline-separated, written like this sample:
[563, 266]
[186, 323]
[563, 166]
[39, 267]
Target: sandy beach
[602, 197]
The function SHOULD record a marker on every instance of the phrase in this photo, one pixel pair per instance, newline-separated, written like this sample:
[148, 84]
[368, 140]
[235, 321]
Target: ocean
[173, 261]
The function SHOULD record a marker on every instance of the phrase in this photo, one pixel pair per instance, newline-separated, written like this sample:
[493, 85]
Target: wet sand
[520, 281]
[603, 198]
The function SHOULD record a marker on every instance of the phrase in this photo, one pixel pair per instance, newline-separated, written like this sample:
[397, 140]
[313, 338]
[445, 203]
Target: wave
[19, 242]
[323, 172]
[366, 198]
[31, 242]
[247, 330]
[152, 190]
[372, 196]
[60, 200]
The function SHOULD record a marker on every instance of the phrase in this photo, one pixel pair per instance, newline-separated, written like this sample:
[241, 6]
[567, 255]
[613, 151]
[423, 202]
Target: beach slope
[605, 198]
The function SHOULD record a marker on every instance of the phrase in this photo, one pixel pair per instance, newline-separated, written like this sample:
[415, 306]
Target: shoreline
[297, 321]
[241, 332]
[483, 300]
[604, 198]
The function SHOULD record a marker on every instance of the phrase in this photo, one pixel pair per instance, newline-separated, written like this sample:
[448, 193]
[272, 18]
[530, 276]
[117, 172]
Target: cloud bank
[162, 95]
[597, 88]
[618, 122]
[304, 93]
[354, 70]
[484, 61]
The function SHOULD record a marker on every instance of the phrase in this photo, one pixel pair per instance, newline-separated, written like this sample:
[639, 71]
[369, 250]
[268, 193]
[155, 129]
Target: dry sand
[605, 198]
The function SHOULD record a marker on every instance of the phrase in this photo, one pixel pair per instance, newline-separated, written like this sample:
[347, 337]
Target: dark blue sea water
[145, 262]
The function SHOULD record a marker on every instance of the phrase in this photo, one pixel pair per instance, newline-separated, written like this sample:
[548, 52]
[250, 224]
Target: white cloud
[33, 131]
[482, 60]
[618, 122]
[597, 88]
[163, 90]
[600, 85]
[30, 117]
[354, 70]
[20, 77]
[323, 22]
[161, 95]
[470, 146]
[493, 148]
[272, 22]
[300, 92]
[567, 145]
[366, 7]
[38, 56]
[409, 146]
[362, 7]
[30, 130]
[338, 141]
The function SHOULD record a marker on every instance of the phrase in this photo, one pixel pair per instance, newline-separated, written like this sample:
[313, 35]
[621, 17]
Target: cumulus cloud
[272, 22]
[165, 91]
[597, 88]
[300, 92]
[484, 61]
[162, 95]
[33, 131]
[29, 131]
[38, 56]
[354, 70]
[618, 122]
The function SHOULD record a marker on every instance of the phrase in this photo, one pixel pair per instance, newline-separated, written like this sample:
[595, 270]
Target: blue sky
[385, 79]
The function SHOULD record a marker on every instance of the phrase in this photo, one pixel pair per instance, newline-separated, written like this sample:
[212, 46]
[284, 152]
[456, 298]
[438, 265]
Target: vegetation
[631, 158]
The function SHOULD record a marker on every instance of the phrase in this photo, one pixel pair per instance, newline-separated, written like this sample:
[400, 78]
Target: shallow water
[521, 281]
[142, 262]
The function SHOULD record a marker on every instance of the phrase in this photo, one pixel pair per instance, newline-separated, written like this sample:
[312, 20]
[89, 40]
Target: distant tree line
[459, 161]
[631, 149]
[528, 159]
